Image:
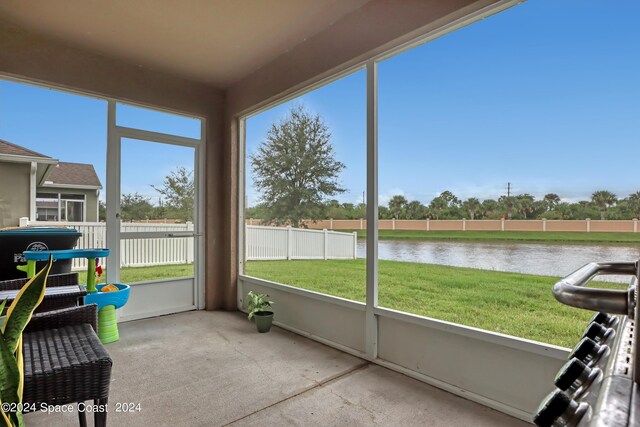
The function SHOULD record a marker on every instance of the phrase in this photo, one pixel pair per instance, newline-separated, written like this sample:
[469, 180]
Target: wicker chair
[64, 361]
[51, 302]
[63, 279]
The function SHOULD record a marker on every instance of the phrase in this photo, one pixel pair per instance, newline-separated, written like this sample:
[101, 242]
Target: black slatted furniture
[64, 361]
[62, 291]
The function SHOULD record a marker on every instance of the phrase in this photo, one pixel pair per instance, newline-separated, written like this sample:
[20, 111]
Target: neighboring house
[44, 189]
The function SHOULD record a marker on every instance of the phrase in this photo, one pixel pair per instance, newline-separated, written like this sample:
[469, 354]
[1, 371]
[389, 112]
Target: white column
[588, 225]
[326, 243]
[113, 195]
[544, 224]
[635, 225]
[371, 322]
[289, 242]
[428, 225]
[464, 224]
[331, 223]
[393, 223]
[32, 191]
[501, 224]
[355, 245]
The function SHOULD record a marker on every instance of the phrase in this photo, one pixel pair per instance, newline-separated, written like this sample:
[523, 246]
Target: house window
[60, 207]
[47, 207]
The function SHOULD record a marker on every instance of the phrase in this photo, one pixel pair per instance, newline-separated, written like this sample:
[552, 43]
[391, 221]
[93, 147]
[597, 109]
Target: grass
[500, 236]
[510, 303]
[141, 274]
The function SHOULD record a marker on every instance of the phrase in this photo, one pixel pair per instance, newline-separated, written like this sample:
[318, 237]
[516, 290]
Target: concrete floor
[214, 369]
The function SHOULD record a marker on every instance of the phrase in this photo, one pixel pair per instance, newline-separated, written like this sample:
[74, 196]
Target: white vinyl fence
[134, 252]
[262, 243]
[275, 243]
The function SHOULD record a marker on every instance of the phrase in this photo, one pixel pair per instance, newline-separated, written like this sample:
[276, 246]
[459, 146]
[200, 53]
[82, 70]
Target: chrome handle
[571, 290]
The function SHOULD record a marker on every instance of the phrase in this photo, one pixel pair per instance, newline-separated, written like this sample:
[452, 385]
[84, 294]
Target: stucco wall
[91, 200]
[14, 192]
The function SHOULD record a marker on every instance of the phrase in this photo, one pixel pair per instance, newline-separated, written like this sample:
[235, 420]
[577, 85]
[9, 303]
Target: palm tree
[397, 206]
[634, 203]
[551, 199]
[525, 204]
[603, 199]
[471, 205]
[490, 208]
[437, 206]
[509, 204]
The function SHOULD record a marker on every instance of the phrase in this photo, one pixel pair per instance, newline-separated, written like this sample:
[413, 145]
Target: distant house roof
[74, 174]
[16, 150]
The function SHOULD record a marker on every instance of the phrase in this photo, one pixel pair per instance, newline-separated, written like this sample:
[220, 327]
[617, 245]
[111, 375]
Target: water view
[527, 258]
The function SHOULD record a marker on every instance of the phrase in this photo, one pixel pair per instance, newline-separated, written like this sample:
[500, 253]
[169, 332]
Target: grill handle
[571, 290]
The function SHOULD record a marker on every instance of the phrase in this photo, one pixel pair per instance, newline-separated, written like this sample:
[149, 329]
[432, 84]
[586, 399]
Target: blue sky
[545, 95]
[73, 128]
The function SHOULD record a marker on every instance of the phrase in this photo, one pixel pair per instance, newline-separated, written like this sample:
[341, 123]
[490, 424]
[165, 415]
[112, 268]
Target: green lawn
[515, 304]
[141, 274]
[498, 236]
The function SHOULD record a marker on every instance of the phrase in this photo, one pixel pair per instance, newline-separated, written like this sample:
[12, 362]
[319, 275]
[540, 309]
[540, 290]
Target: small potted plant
[259, 307]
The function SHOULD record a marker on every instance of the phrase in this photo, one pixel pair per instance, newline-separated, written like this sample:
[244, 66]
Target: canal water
[528, 258]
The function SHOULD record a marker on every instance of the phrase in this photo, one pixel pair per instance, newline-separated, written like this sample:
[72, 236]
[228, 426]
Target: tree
[634, 203]
[509, 204]
[179, 192]
[295, 169]
[102, 211]
[551, 200]
[335, 210]
[603, 199]
[525, 204]
[490, 209]
[445, 202]
[397, 206]
[134, 207]
[472, 206]
[415, 210]
[437, 206]
[561, 211]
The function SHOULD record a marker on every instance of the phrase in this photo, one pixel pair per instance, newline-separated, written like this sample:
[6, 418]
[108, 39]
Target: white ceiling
[212, 41]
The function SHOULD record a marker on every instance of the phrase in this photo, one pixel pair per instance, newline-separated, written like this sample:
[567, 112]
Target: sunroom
[352, 342]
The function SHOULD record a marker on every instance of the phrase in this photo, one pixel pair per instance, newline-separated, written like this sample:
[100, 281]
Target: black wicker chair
[65, 362]
[63, 279]
[51, 302]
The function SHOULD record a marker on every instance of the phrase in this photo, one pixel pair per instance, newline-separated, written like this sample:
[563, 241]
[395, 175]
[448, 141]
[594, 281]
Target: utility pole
[363, 198]
[508, 189]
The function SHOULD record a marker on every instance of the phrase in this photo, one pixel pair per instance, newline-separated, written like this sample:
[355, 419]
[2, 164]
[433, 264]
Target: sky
[73, 128]
[545, 95]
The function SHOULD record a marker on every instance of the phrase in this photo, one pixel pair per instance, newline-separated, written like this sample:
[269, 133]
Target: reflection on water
[529, 258]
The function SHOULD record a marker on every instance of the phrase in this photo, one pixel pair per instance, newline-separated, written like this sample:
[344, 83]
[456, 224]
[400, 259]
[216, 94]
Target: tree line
[602, 204]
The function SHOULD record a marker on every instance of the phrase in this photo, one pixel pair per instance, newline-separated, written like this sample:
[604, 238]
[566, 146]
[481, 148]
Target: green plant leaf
[257, 302]
[19, 313]
[2, 304]
[9, 374]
